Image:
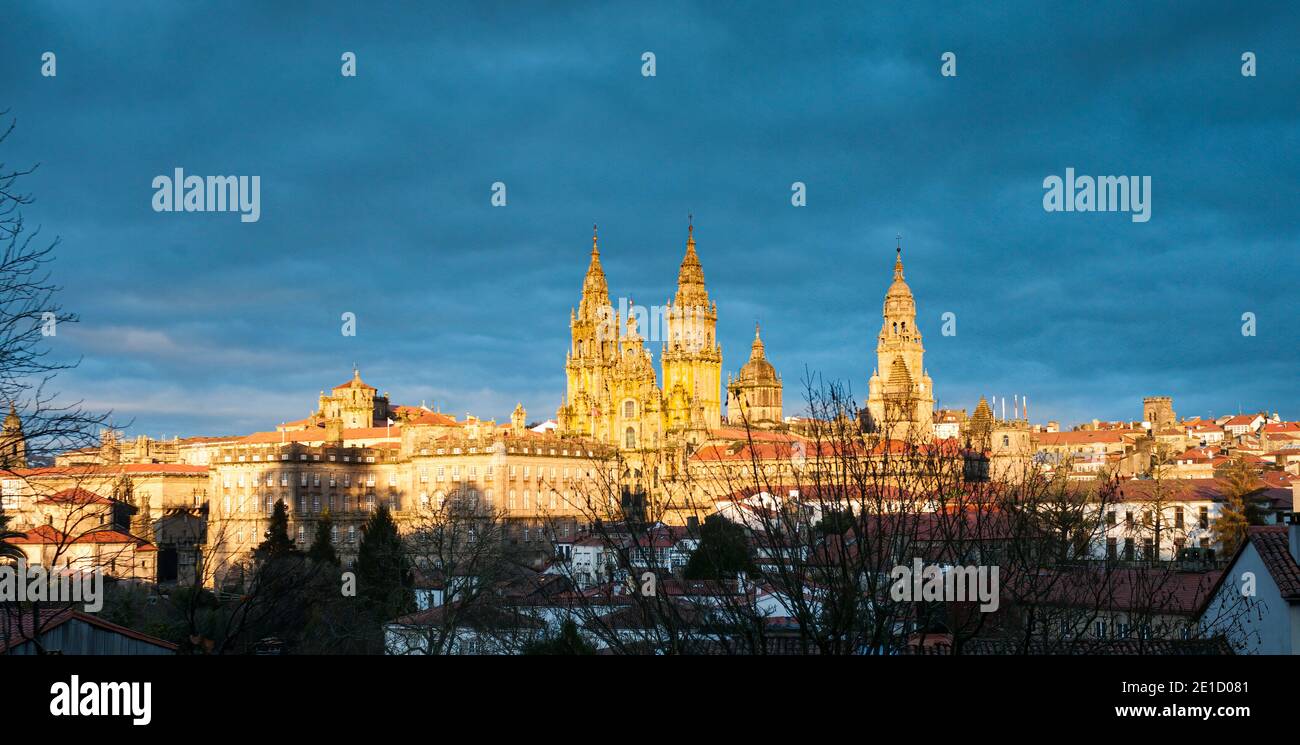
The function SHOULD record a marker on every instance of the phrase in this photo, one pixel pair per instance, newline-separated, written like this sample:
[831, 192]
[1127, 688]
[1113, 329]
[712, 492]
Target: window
[1111, 518]
[629, 438]
[1006, 441]
[284, 478]
[1112, 548]
[303, 480]
[352, 534]
[1203, 520]
[302, 534]
[512, 499]
[315, 504]
[629, 409]
[1128, 549]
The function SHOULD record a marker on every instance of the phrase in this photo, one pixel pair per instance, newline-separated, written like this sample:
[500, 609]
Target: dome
[758, 369]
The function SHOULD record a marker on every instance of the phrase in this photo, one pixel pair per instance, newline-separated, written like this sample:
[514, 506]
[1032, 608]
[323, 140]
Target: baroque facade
[613, 392]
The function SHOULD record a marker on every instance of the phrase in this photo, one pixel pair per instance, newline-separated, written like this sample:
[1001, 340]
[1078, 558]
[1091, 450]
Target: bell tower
[900, 398]
[13, 443]
[692, 358]
[593, 350]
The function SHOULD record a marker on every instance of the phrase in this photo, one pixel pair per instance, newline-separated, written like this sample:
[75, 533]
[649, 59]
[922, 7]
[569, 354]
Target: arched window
[895, 327]
[1006, 441]
[631, 437]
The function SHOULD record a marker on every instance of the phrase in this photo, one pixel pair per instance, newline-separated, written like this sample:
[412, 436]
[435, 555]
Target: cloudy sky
[375, 195]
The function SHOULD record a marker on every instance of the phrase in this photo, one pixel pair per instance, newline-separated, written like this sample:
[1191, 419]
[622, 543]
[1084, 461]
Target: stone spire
[899, 390]
[690, 278]
[595, 289]
[980, 428]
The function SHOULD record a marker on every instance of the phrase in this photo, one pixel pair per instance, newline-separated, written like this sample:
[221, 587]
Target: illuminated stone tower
[754, 396]
[900, 393]
[692, 358]
[13, 444]
[1158, 411]
[593, 348]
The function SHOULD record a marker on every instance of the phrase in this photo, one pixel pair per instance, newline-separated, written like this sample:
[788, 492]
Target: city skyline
[376, 201]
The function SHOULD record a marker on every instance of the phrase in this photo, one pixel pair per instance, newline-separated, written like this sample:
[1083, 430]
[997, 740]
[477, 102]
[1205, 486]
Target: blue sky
[375, 195]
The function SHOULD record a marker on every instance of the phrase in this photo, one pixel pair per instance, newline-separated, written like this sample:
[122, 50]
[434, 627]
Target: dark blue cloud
[375, 195]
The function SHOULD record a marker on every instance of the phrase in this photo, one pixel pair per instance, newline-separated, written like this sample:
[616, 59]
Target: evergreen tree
[9, 550]
[1240, 510]
[569, 642]
[277, 544]
[322, 547]
[383, 569]
[723, 550]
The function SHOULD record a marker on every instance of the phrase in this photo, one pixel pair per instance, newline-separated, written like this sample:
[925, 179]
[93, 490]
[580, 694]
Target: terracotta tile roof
[75, 495]
[1176, 490]
[110, 470]
[1271, 541]
[43, 535]
[317, 434]
[1081, 437]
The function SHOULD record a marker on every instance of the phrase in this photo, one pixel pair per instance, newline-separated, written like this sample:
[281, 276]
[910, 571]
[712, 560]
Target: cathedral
[614, 394]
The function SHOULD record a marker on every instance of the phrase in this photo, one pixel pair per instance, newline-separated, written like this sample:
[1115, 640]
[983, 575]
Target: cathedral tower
[754, 396]
[900, 393]
[692, 359]
[593, 349]
[13, 443]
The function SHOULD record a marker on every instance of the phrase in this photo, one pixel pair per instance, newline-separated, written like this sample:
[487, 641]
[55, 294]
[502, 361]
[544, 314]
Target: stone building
[900, 393]
[13, 444]
[754, 396]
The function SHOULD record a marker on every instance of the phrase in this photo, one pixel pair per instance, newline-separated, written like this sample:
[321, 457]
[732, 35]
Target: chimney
[1293, 536]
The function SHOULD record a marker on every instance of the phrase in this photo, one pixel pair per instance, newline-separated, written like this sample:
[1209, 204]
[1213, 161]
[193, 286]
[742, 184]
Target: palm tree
[7, 549]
